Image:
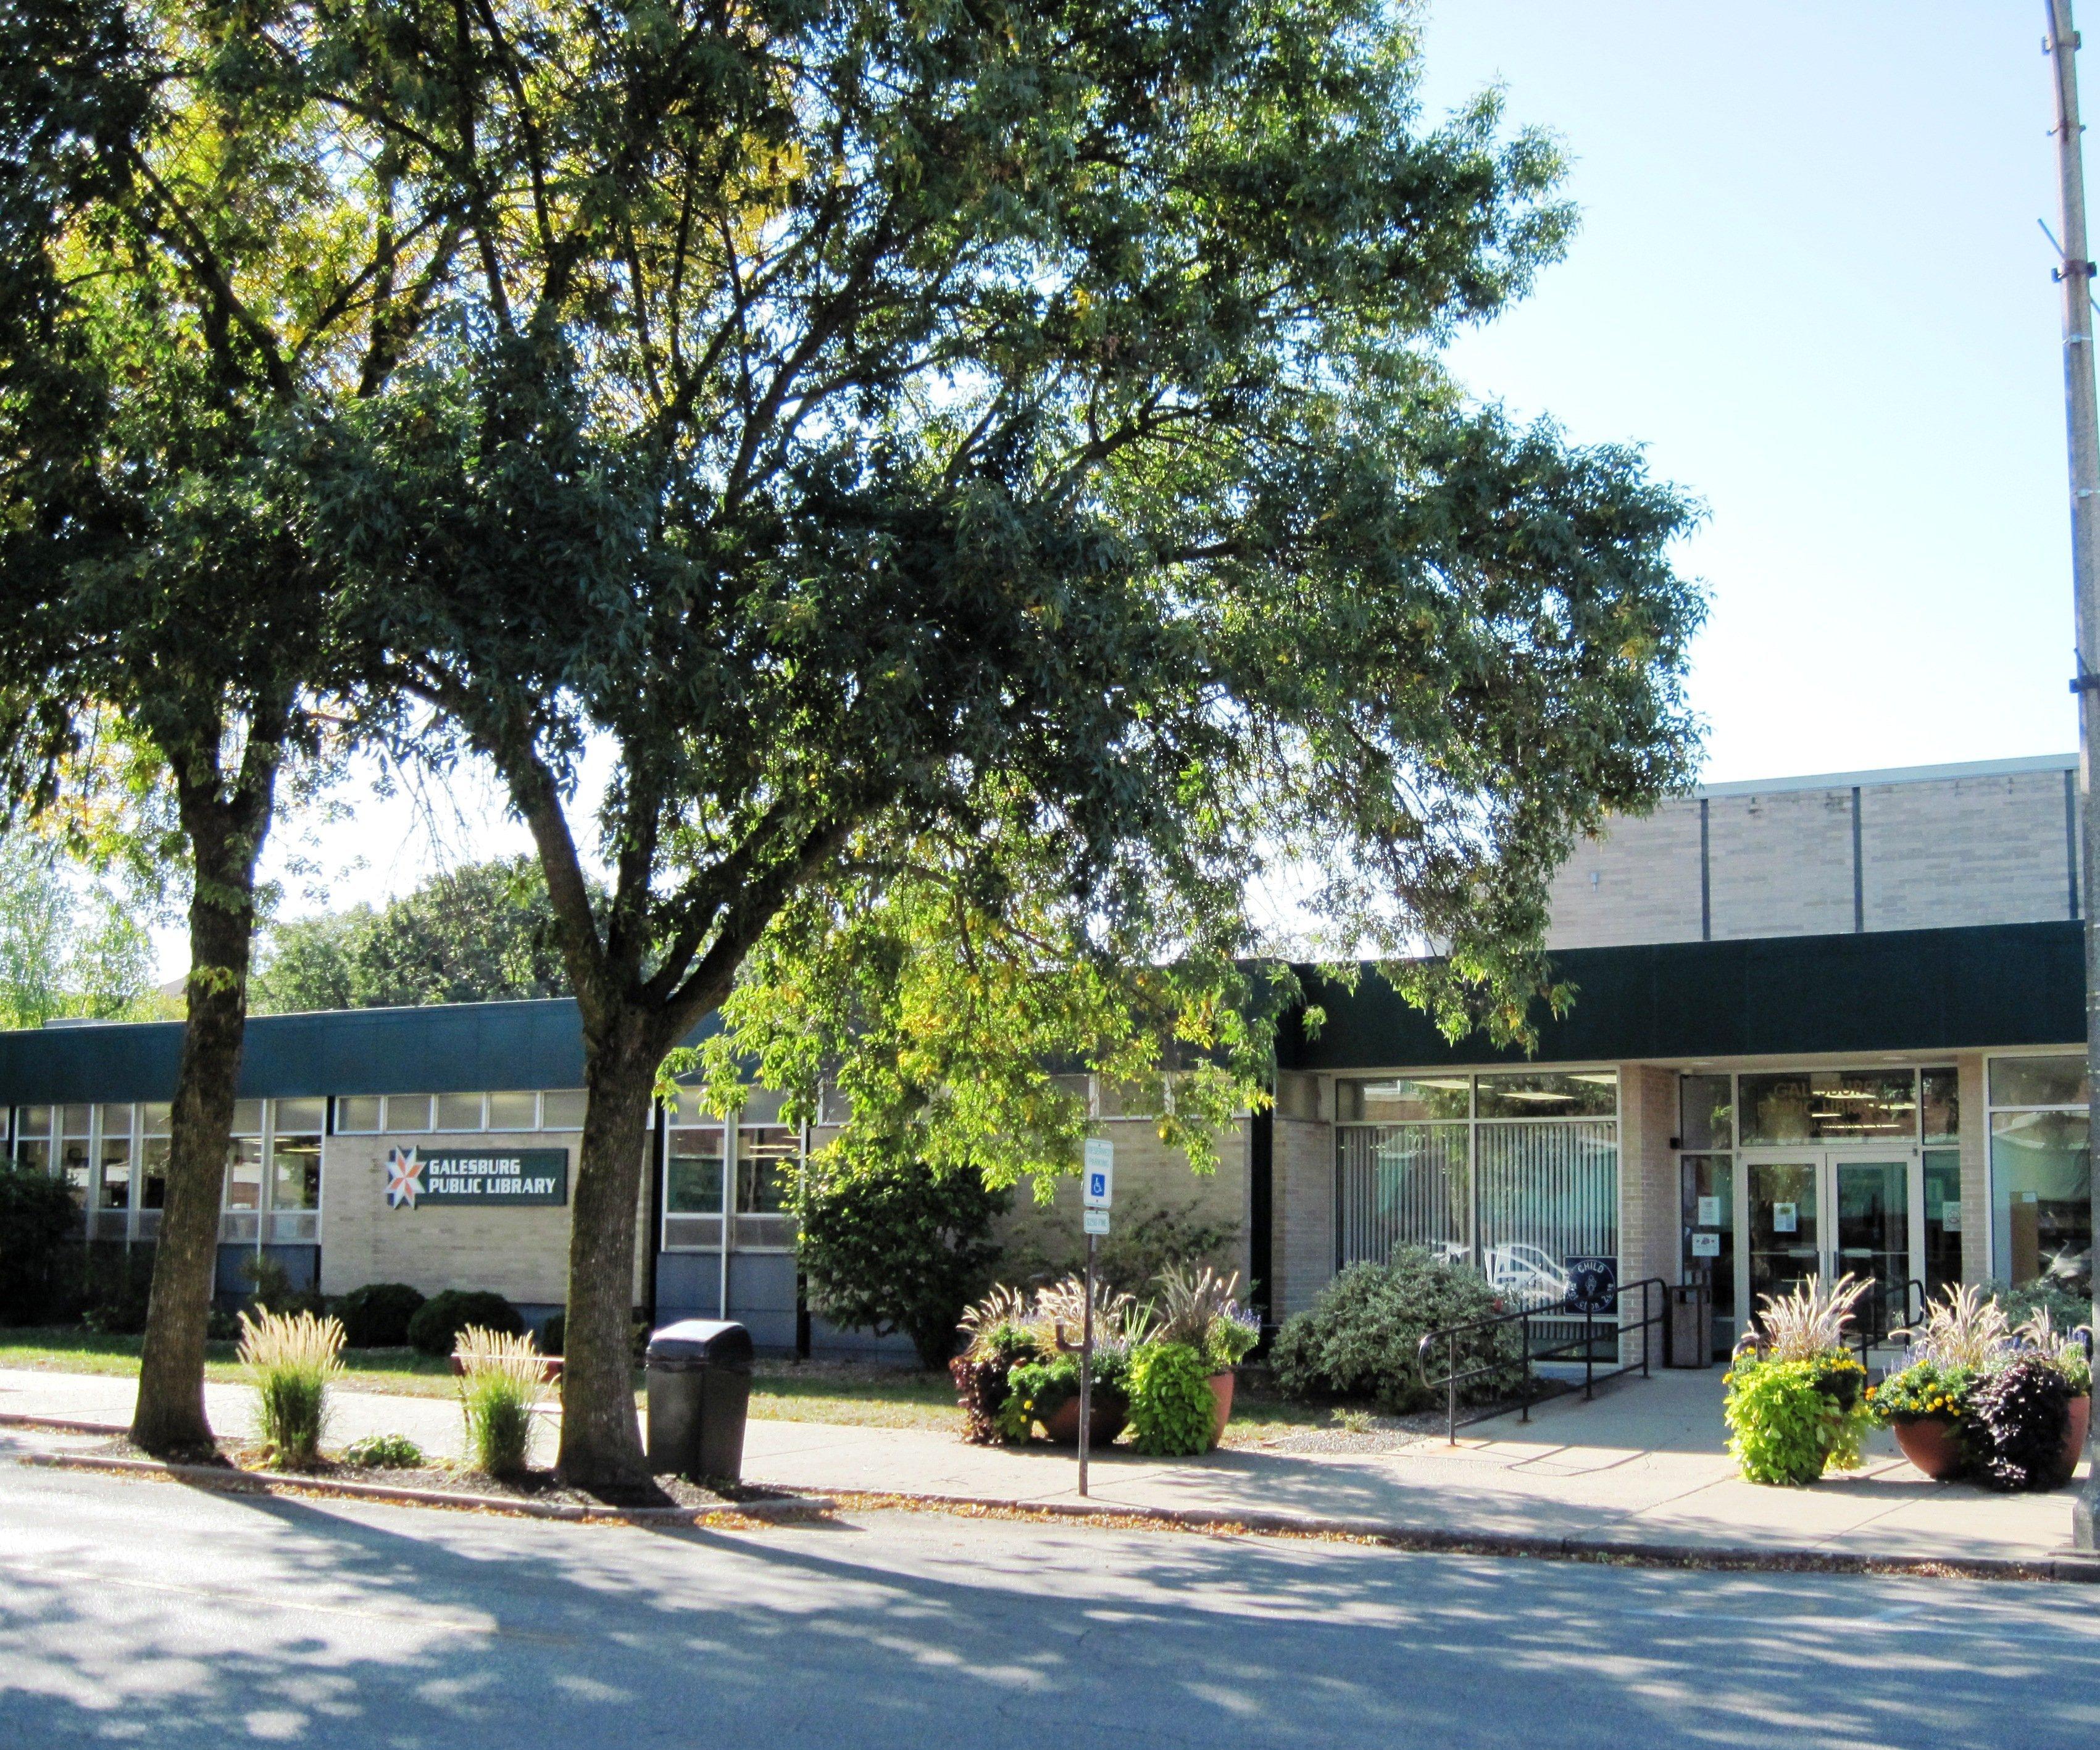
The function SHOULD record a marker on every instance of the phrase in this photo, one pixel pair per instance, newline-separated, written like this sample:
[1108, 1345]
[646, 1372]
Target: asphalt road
[146, 1613]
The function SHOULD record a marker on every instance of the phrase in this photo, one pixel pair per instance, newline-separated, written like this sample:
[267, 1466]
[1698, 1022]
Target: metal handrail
[1559, 1312]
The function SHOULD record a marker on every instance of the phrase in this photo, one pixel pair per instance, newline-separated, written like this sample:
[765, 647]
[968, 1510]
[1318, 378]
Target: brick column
[1302, 1238]
[1650, 1240]
[1975, 1168]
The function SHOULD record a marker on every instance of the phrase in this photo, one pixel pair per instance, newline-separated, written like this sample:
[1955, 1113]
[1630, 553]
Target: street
[148, 1613]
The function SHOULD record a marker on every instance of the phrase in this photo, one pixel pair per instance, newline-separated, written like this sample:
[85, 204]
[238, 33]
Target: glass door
[1828, 1211]
[1782, 1227]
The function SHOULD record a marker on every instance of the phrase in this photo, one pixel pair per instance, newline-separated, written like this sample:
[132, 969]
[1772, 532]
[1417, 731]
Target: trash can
[700, 1392]
[1691, 1324]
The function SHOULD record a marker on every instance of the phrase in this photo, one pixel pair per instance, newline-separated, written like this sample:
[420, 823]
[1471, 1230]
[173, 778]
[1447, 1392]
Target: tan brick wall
[1149, 1175]
[1302, 1232]
[1781, 863]
[520, 1253]
[1650, 1237]
[1637, 883]
[1965, 851]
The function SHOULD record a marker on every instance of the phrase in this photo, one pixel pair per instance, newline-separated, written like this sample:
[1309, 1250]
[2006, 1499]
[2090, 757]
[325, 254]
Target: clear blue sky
[1808, 280]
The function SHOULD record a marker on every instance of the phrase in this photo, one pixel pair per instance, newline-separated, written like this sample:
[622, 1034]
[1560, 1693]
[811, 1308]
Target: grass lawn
[859, 1394]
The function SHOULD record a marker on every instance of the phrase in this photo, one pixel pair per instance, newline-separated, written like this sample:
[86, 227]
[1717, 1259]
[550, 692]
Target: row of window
[1496, 1095]
[414, 1114]
[1796, 1106]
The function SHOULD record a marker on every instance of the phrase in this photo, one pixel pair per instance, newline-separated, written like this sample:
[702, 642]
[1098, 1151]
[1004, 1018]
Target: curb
[2069, 1566]
[257, 1482]
[60, 1424]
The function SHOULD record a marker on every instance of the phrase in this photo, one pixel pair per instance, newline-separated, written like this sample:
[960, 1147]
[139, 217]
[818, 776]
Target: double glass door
[1822, 1212]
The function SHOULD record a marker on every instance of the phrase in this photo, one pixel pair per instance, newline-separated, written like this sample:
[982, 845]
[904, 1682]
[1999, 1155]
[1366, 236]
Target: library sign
[517, 1178]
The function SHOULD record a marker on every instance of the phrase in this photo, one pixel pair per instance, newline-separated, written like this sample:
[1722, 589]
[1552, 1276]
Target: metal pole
[1086, 1369]
[2076, 276]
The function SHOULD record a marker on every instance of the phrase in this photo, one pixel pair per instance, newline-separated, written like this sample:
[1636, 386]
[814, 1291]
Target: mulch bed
[537, 1486]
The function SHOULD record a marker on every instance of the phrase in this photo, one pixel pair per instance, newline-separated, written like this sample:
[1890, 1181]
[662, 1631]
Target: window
[408, 1114]
[358, 1114]
[154, 1119]
[513, 1112]
[113, 1189]
[1710, 1228]
[248, 1118]
[244, 1173]
[1706, 1112]
[76, 1150]
[295, 1155]
[694, 1165]
[1940, 1101]
[563, 1111]
[2041, 1209]
[459, 1112]
[33, 1138]
[1419, 1099]
[1592, 1094]
[1942, 1218]
[765, 1161]
[1829, 1105]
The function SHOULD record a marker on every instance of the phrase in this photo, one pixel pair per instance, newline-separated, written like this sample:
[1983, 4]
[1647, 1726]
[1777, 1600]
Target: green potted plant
[1203, 1335]
[1795, 1405]
[997, 1338]
[1926, 1406]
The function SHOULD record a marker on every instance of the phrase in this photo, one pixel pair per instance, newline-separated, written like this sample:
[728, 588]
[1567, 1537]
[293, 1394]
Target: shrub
[291, 1359]
[270, 1290]
[378, 1315]
[554, 1334]
[889, 1247]
[502, 1379]
[1360, 1338]
[1148, 1241]
[37, 1219]
[2053, 1295]
[385, 1451]
[115, 1287]
[436, 1326]
[1038, 1390]
[2019, 1414]
[1199, 1307]
[1171, 1411]
[1785, 1423]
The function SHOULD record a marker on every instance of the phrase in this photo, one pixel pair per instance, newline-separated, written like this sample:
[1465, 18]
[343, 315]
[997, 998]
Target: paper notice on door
[1705, 1245]
[1786, 1218]
[1950, 1217]
[1709, 1212]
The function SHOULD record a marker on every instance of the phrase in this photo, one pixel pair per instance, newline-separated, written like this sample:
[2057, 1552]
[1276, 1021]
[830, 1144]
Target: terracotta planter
[2073, 1436]
[1111, 1412]
[1221, 1398]
[1932, 1443]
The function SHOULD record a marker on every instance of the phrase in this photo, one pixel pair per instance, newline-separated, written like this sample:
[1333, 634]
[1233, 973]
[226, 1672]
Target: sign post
[1097, 1189]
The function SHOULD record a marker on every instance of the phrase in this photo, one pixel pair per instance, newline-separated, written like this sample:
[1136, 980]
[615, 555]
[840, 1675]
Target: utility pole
[2075, 274]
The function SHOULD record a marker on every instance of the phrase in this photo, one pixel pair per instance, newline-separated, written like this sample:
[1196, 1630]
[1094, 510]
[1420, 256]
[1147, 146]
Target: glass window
[1829, 1105]
[357, 1114]
[2041, 1199]
[513, 1112]
[296, 1172]
[765, 1161]
[113, 1186]
[459, 1112]
[248, 1118]
[693, 1172]
[76, 1121]
[34, 1152]
[2038, 1080]
[307, 1116]
[1405, 1100]
[1534, 1094]
[153, 1174]
[1706, 1118]
[159, 1117]
[74, 1160]
[1940, 1098]
[116, 1120]
[1709, 1234]
[408, 1112]
[1942, 1218]
[244, 1173]
[563, 1111]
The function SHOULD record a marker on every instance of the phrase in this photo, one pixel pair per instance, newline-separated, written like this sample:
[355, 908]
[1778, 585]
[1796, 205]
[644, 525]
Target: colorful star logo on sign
[404, 1178]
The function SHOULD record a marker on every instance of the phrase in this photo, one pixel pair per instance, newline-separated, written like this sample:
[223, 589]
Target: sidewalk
[1642, 1465]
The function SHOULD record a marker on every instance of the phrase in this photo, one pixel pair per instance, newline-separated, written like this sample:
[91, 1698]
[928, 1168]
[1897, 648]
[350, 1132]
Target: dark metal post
[1086, 1369]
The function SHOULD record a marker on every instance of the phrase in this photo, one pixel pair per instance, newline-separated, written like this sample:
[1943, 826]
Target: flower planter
[2073, 1436]
[1221, 1397]
[1931, 1443]
[1111, 1412]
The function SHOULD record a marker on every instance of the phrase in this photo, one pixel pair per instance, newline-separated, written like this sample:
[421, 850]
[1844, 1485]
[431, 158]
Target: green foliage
[37, 1219]
[1172, 1410]
[555, 1332]
[476, 934]
[269, 1285]
[115, 1287]
[2019, 1416]
[1360, 1338]
[291, 1359]
[378, 1314]
[1785, 1422]
[385, 1451]
[2068, 1309]
[502, 1379]
[889, 1245]
[71, 944]
[1925, 1389]
[436, 1327]
[981, 1392]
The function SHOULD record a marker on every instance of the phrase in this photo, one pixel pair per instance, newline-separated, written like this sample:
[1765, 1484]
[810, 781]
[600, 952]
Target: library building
[1821, 1023]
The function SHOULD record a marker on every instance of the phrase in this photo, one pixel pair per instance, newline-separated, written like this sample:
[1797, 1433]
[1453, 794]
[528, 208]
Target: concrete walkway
[1643, 1464]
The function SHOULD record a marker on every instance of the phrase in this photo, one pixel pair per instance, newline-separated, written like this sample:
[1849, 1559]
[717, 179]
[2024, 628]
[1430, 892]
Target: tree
[895, 1249]
[477, 934]
[919, 445]
[69, 944]
[203, 250]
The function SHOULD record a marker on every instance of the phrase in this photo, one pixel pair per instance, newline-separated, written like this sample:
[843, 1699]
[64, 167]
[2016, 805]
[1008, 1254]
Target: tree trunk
[170, 1416]
[601, 1437]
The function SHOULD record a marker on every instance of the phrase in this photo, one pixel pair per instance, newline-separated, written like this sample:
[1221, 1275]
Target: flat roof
[1895, 774]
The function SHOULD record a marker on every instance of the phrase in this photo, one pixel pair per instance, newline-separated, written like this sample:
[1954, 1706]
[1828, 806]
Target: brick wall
[520, 1253]
[1302, 1234]
[1968, 851]
[1975, 1173]
[1638, 883]
[1650, 1237]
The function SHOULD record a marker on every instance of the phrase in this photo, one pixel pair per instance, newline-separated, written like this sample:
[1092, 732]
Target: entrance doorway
[1806, 1212]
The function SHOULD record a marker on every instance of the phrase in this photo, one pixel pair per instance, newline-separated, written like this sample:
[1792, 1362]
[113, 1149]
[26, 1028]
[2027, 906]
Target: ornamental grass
[502, 1380]
[292, 1359]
